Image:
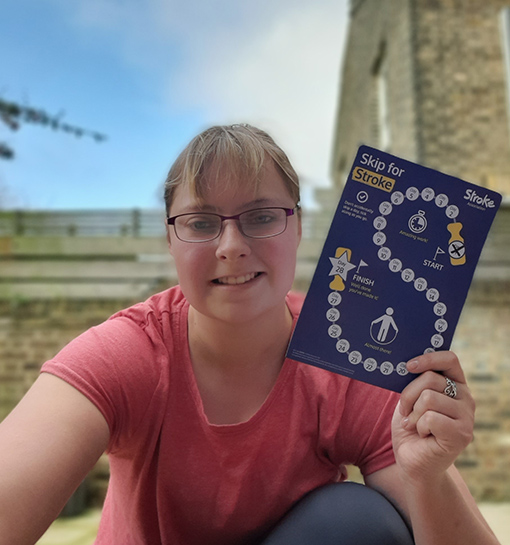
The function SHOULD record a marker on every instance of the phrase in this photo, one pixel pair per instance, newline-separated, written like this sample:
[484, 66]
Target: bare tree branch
[14, 115]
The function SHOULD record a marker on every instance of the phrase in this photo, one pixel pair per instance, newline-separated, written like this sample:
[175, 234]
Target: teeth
[232, 280]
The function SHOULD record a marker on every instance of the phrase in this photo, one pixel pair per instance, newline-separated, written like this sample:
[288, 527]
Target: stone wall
[379, 32]
[32, 332]
[447, 109]
[461, 94]
[482, 341]
[446, 87]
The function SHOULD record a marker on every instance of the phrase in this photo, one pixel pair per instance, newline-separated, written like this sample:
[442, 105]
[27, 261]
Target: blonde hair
[232, 154]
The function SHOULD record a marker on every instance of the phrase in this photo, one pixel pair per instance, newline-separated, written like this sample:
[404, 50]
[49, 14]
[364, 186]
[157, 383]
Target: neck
[237, 346]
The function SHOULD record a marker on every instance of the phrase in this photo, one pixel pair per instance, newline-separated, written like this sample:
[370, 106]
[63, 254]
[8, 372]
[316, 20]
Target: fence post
[19, 224]
[136, 222]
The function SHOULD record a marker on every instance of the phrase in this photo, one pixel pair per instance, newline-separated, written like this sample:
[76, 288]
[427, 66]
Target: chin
[240, 313]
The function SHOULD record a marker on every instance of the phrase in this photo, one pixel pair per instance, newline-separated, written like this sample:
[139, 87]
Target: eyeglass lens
[259, 223]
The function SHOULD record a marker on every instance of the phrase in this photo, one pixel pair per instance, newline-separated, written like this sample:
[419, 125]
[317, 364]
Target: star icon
[341, 266]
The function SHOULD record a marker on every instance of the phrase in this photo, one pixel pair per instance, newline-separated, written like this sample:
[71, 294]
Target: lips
[236, 280]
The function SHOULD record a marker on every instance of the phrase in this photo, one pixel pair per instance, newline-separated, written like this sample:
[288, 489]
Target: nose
[232, 244]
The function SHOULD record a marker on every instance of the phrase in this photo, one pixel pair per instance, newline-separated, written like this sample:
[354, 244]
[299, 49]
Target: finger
[449, 435]
[433, 423]
[445, 362]
[430, 400]
[429, 380]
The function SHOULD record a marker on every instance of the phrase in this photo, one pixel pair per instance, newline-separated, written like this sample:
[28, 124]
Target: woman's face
[234, 278]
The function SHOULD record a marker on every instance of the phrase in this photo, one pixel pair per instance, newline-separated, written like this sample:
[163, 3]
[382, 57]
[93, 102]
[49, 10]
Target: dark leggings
[341, 514]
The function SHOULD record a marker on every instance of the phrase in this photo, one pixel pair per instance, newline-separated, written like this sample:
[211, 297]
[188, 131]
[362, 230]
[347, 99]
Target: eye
[261, 217]
[200, 223]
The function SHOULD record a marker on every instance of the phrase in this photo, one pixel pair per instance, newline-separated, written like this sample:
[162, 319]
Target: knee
[347, 513]
[370, 517]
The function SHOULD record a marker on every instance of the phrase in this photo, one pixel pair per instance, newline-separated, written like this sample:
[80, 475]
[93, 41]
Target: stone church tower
[429, 81]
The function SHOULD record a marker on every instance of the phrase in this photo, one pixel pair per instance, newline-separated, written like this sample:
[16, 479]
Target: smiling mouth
[236, 280]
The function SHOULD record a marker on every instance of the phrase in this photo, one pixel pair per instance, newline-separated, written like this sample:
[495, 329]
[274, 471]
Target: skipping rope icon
[384, 330]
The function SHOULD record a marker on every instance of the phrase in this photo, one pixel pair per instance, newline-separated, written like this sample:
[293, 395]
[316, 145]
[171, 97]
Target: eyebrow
[257, 203]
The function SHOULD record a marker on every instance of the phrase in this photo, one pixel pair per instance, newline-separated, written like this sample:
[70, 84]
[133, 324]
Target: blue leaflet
[394, 271]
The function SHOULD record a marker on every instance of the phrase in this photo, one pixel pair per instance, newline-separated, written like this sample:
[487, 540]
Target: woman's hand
[430, 428]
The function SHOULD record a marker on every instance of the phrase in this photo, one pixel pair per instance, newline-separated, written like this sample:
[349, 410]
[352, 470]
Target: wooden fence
[128, 223]
[134, 222]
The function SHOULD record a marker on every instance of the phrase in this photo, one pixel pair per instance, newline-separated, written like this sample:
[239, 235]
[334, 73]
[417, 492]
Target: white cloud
[275, 63]
[282, 75]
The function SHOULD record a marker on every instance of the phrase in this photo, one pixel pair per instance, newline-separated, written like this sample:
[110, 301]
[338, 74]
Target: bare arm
[48, 444]
[429, 431]
[439, 512]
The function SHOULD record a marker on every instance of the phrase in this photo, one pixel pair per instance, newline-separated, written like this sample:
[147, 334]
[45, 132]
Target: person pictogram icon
[384, 330]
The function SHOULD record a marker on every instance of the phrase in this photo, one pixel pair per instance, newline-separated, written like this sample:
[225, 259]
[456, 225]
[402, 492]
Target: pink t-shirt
[175, 478]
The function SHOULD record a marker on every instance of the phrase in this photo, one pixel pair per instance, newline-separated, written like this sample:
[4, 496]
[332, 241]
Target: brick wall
[447, 109]
[461, 89]
[378, 31]
[32, 332]
[482, 342]
[447, 97]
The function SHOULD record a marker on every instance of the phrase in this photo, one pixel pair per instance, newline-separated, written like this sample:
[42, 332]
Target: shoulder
[121, 364]
[156, 310]
[134, 332]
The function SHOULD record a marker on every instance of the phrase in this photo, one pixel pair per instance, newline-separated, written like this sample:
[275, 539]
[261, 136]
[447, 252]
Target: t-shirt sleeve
[116, 366]
[365, 430]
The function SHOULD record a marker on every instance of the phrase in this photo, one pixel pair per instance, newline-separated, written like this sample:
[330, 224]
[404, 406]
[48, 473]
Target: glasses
[256, 223]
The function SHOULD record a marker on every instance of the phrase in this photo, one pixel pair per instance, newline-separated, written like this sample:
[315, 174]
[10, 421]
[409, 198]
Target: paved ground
[498, 516]
[82, 530]
[73, 530]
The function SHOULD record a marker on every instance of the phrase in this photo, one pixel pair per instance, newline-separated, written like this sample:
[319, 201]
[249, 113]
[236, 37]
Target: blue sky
[150, 74]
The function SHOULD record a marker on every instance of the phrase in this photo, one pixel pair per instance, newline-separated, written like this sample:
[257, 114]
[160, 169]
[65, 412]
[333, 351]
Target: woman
[213, 436]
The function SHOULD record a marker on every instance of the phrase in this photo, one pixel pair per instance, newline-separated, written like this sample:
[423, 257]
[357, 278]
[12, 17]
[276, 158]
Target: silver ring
[451, 388]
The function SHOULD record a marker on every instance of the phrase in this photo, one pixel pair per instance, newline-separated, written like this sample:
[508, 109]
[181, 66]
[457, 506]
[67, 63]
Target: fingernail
[405, 422]
[412, 365]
